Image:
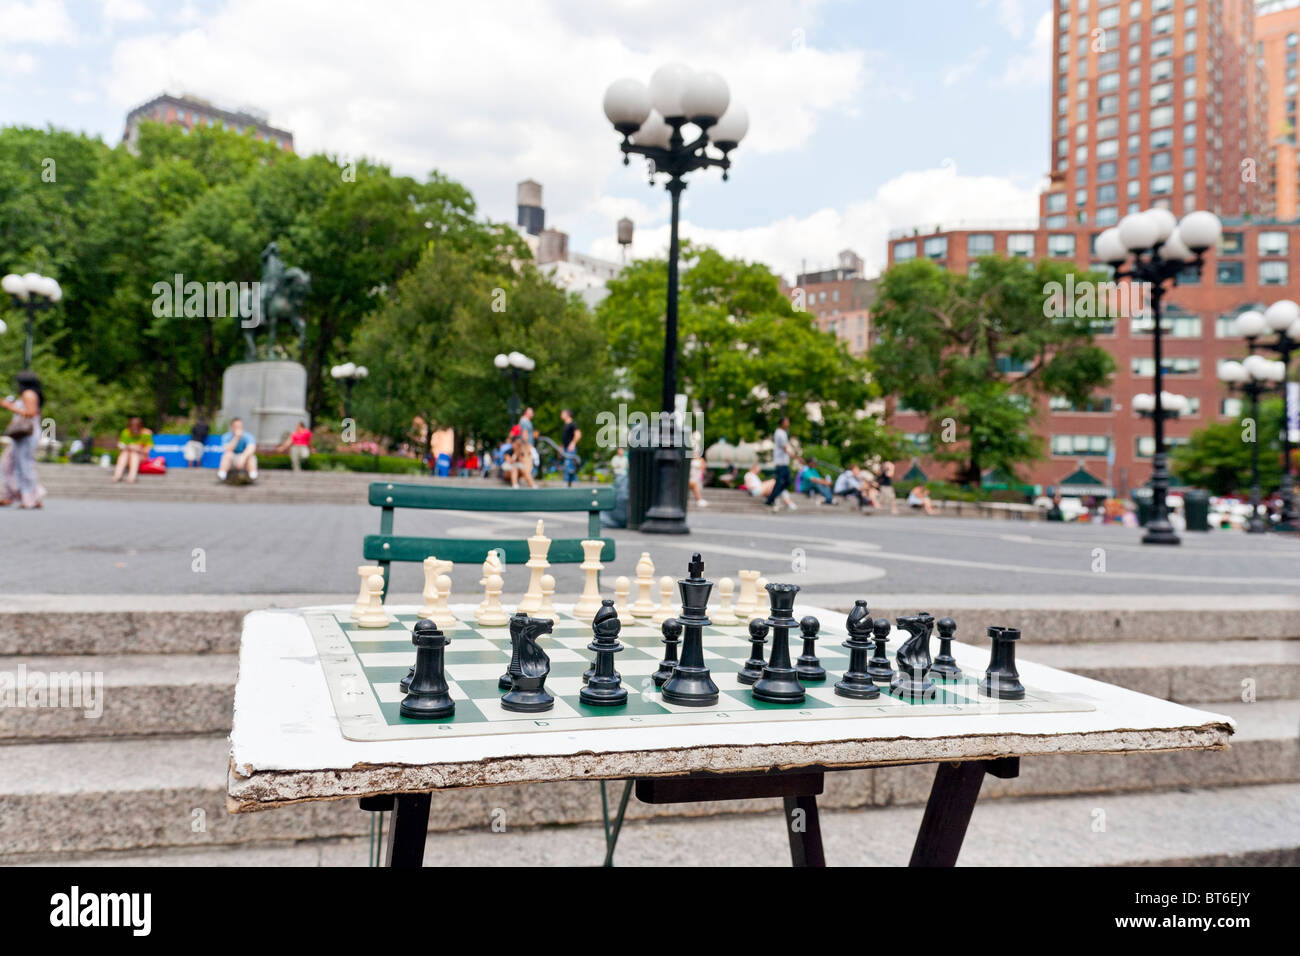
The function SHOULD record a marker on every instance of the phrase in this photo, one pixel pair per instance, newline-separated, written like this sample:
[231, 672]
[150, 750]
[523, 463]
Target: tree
[974, 352]
[746, 355]
[1218, 456]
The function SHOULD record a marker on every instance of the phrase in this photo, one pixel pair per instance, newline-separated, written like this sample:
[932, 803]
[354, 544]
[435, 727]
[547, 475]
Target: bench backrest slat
[389, 494]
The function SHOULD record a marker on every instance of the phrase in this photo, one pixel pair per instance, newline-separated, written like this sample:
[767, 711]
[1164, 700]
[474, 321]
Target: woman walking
[24, 428]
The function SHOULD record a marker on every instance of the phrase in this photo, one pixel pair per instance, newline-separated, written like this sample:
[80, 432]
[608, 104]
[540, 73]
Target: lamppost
[515, 364]
[1253, 377]
[1283, 318]
[33, 293]
[1161, 247]
[349, 374]
[651, 121]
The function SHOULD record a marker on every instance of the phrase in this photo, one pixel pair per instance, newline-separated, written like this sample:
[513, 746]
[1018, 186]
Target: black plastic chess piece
[753, 668]
[672, 632]
[945, 665]
[690, 684]
[507, 680]
[605, 689]
[809, 667]
[912, 682]
[428, 697]
[1001, 680]
[857, 683]
[780, 682]
[879, 667]
[528, 692]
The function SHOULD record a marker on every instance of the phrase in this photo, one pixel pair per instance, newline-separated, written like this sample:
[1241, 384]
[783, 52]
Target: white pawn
[494, 615]
[374, 614]
[363, 592]
[644, 604]
[724, 616]
[666, 608]
[442, 615]
[546, 610]
[622, 587]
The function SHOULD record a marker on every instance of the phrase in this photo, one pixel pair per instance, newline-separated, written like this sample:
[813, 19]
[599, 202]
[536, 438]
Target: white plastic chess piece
[747, 603]
[374, 614]
[433, 567]
[363, 593]
[491, 566]
[546, 610]
[724, 615]
[644, 604]
[666, 608]
[622, 587]
[539, 546]
[442, 615]
[494, 615]
[589, 601]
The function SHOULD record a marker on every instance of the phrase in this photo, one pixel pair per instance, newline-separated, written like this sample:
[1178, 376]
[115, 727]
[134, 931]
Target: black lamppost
[651, 121]
[516, 364]
[1161, 247]
[349, 374]
[32, 293]
[1254, 377]
[1283, 318]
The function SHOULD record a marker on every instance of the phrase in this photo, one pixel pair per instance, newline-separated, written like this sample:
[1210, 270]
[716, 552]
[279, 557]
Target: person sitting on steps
[238, 452]
[134, 444]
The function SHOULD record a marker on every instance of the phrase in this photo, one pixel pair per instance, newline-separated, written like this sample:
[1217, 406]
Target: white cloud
[125, 11]
[920, 198]
[41, 22]
[1033, 67]
[1010, 15]
[963, 71]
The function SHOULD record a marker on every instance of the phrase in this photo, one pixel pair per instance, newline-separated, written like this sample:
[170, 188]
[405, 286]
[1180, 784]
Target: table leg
[947, 813]
[803, 825]
[612, 831]
[408, 830]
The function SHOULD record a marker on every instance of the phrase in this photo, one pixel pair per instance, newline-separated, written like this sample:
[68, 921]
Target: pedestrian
[526, 427]
[19, 464]
[886, 483]
[299, 446]
[238, 451]
[569, 439]
[781, 464]
[195, 446]
[696, 480]
[133, 447]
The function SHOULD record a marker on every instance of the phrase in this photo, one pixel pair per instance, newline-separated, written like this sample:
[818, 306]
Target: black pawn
[605, 688]
[1001, 680]
[507, 680]
[528, 693]
[857, 683]
[780, 682]
[753, 668]
[428, 698]
[672, 632]
[809, 667]
[945, 665]
[881, 671]
[690, 684]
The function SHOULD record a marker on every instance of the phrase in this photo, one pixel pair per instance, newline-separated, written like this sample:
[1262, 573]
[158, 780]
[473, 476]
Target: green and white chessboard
[364, 665]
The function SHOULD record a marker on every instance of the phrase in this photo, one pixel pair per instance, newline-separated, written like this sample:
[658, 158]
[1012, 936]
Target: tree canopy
[1217, 457]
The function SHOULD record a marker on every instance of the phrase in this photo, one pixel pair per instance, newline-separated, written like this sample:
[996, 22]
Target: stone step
[140, 695]
[131, 794]
[1237, 826]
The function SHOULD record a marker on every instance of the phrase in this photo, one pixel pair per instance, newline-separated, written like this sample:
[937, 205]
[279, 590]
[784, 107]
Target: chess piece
[760, 588]
[665, 610]
[911, 682]
[780, 682]
[881, 671]
[672, 632]
[690, 684]
[546, 611]
[945, 665]
[374, 615]
[589, 601]
[528, 694]
[747, 602]
[507, 680]
[363, 594]
[432, 568]
[1002, 681]
[724, 616]
[808, 666]
[622, 588]
[539, 546]
[605, 689]
[442, 615]
[490, 607]
[644, 605]
[753, 668]
[428, 698]
[857, 682]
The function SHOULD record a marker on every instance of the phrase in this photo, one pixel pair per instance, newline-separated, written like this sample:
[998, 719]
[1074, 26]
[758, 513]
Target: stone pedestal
[271, 398]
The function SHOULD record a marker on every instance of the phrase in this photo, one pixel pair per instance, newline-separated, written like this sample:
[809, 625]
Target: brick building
[839, 300]
[188, 111]
[1277, 35]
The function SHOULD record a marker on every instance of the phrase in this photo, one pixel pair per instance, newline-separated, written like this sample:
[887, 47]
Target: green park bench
[386, 547]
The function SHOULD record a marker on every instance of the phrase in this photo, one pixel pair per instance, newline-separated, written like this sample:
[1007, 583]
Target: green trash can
[1142, 498]
[1196, 509]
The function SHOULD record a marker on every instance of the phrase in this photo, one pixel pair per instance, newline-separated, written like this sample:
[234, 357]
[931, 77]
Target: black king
[690, 684]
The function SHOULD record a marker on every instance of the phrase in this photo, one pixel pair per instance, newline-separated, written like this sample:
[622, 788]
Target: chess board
[364, 665]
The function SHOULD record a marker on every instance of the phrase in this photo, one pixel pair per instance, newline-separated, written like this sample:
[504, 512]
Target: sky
[866, 116]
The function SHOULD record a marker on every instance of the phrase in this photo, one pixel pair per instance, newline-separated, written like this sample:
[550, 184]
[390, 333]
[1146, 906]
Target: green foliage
[973, 352]
[329, 461]
[1217, 457]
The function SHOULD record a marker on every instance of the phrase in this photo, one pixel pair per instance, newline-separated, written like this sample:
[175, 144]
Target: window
[1081, 154]
[1273, 243]
[1133, 189]
[1107, 216]
[1134, 143]
[1106, 194]
[1105, 172]
[1145, 367]
[1162, 116]
[1162, 24]
[1146, 445]
[1134, 99]
[1108, 17]
[1189, 156]
[1162, 138]
[979, 244]
[1105, 83]
[1056, 202]
[1189, 86]
[1081, 88]
[1231, 407]
[1107, 128]
[1189, 179]
[1176, 326]
[1135, 122]
[1189, 64]
[1162, 47]
[1056, 222]
[1020, 244]
[1061, 244]
[1107, 148]
[1097, 446]
[1272, 272]
[918, 440]
[1189, 110]
[904, 251]
[1162, 70]
[1160, 162]
[1230, 243]
[1081, 176]
[1162, 185]
[1081, 197]
[936, 247]
[1107, 105]
[1098, 403]
[1108, 61]
[1229, 272]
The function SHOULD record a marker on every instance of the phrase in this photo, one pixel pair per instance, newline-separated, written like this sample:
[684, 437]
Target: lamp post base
[1161, 535]
[666, 515]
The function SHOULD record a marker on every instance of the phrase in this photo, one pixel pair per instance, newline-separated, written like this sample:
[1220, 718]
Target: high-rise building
[1277, 35]
[189, 111]
[1155, 103]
